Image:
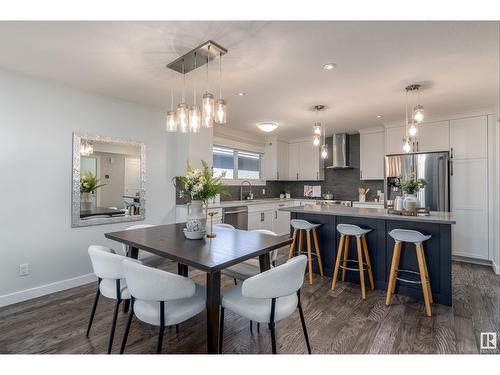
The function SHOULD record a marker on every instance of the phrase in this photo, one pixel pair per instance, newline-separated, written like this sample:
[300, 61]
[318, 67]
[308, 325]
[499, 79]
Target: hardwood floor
[338, 322]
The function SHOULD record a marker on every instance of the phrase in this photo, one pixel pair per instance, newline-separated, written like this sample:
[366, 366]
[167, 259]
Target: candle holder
[211, 234]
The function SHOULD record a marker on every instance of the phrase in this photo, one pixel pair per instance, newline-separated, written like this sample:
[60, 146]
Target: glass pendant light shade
[316, 140]
[419, 114]
[171, 124]
[194, 119]
[413, 130]
[220, 111]
[182, 117]
[406, 146]
[317, 128]
[208, 110]
[324, 152]
[86, 148]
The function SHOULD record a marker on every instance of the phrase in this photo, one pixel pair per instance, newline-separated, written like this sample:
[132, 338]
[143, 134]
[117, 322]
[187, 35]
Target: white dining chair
[160, 298]
[268, 297]
[108, 267]
[226, 226]
[145, 257]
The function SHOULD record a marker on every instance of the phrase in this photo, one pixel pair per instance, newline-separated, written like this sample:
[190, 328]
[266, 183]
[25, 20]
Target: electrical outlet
[24, 269]
[263, 191]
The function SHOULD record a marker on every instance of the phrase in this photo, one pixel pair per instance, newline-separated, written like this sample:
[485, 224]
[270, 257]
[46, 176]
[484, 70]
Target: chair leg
[294, 236]
[235, 282]
[221, 329]
[251, 326]
[360, 264]
[318, 253]
[427, 275]
[337, 262]
[299, 247]
[273, 337]
[162, 327]
[177, 328]
[258, 327]
[303, 321]
[127, 328]
[346, 256]
[113, 326]
[309, 256]
[368, 262]
[96, 299]
[423, 280]
[394, 273]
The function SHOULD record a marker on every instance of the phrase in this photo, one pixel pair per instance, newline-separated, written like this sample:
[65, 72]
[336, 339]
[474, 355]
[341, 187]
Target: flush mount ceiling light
[191, 119]
[414, 114]
[241, 93]
[267, 126]
[379, 116]
[329, 66]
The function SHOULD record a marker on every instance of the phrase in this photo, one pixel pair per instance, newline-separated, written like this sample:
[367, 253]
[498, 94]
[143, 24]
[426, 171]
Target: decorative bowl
[194, 235]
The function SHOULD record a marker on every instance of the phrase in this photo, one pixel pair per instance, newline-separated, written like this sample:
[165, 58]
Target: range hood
[340, 151]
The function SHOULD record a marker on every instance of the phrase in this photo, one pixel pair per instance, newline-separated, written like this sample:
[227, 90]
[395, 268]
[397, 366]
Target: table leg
[213, 313]
[264, 262]
[182, 269]
[132, 252]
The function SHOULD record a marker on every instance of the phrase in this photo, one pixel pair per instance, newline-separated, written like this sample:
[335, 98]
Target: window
[237, 164]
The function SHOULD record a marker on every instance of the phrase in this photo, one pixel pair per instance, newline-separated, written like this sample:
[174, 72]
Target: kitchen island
[380, 244]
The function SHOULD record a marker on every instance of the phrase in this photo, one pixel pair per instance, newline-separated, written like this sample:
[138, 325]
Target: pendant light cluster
[414, 114]
[191, 119]
[318, 131]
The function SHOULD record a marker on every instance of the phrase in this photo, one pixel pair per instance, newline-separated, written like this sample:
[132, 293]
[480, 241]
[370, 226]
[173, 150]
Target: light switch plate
[24, 269]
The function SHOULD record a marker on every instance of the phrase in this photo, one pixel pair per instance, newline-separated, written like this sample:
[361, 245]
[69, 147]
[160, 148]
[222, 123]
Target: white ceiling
[277, 64]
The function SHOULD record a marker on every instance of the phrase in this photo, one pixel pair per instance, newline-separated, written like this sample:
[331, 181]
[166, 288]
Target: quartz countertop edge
[248, 202]
[375, 213]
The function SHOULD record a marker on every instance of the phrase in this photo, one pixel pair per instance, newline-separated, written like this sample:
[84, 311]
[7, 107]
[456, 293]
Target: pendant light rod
[194, 84]
[183, 84]
[220, 76]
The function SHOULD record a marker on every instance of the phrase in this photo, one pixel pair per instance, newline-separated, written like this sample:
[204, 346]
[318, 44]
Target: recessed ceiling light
[329, 66]
[241, 93]
[267, 126]
[379, 116]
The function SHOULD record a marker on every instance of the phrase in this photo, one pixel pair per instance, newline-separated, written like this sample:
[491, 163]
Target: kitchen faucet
[250, 195]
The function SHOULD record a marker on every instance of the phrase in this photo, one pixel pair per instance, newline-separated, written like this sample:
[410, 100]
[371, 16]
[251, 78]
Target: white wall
[37, 119]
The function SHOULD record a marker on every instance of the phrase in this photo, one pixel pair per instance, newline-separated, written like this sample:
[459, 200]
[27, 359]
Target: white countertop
[375, 213]
[248, 202]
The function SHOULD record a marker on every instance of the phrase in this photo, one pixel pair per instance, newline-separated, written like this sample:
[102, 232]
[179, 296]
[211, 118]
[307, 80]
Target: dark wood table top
[208, 254]
[100, 211]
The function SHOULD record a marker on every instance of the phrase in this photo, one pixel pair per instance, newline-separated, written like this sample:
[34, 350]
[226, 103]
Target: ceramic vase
[196, 218]
[410, 202]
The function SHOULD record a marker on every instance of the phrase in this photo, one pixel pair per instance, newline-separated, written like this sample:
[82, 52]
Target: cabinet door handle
[361, 174]
[276, 214]
[451, 154]
[418, 147]
[317, 175]
[451, 167]
[297, 175]
[262, 216]
[413, 148]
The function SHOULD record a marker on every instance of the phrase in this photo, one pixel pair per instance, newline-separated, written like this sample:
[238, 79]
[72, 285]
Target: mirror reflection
[109, 180]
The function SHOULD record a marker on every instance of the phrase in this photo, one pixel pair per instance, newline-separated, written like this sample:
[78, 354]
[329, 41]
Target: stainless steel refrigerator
[433, 167]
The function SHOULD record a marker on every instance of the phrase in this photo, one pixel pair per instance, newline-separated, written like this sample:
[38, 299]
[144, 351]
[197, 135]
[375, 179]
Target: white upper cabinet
[308, 161]
[293, 161]
[469, 138]
[394, 140]
[433, 136]
[371, 154]
[275, 161]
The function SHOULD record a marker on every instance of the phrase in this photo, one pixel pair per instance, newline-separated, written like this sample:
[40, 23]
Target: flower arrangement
[410, 184]
[201, 184]
[89, 183]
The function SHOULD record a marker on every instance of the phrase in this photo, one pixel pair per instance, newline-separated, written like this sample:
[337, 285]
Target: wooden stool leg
[290, 255]
[361, 272]
[394, 273]
[346, 253]
[427, 275]
[368, 263]
[423, 279]
[309, 256]
[337, 262]
[299, 248]
[318, 254]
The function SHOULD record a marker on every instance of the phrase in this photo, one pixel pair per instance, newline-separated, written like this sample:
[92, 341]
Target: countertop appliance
[334, 203]
[237, 216]
[433, 167]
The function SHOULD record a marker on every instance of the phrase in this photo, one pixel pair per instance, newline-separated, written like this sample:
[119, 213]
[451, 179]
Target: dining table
[210, 255]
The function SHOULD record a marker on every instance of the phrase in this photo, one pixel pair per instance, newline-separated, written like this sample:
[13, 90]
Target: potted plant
[410, 185]
[199, 185]
[89, 183]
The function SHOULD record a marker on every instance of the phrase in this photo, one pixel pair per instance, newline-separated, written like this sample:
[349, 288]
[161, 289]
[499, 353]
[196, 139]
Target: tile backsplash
[343, 183]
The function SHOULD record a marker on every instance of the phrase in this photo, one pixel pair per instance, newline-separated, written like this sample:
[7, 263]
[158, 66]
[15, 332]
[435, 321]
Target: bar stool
[300, 226]
[404, 235]
[346, 231]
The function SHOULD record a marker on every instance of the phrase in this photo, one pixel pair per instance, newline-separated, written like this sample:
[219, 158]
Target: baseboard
[464, 259]
[42, 290]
